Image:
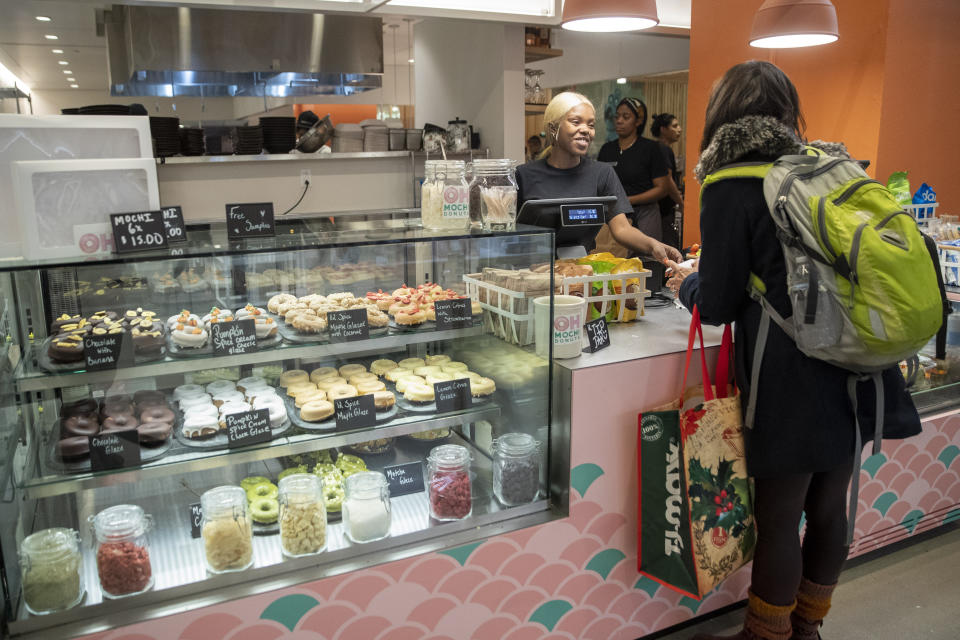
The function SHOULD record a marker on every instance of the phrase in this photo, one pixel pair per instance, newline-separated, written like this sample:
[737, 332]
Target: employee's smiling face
[576, 130]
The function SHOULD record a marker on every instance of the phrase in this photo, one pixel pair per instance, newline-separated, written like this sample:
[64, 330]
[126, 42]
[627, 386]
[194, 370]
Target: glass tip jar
[303, 515]
[123, 554]
[51, 570]
[448, 482]
[227, 529]
[516, 468]
[366, 508]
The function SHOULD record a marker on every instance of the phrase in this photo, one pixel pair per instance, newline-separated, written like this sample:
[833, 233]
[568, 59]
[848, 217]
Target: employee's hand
[664, 252]
[678, 274]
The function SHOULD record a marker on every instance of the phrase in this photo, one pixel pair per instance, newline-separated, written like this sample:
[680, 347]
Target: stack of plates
[105, 110]
[376, 137]
[279, 134]
[249, 141]
[348, 138]
[191, 142]
[414, 138]
[166, 135]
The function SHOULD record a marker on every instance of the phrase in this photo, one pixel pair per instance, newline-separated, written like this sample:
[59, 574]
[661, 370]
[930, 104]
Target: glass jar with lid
[51, 570]
[366, 508]
[445, 195]
[227, 529]
[493, 194]
[303, 515]
[123, 552]
[458, 136]
[516, 468]
[448, 482]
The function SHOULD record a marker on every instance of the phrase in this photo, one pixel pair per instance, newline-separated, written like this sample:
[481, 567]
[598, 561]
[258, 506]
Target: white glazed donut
[265, 327]
[197, 399]
[187, 390]
[278, 412]
[209, 410]
[220, 386]
[200, 426]
[189, 337]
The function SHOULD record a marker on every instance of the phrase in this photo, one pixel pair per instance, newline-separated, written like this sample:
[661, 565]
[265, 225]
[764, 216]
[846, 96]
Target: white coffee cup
[569, 315]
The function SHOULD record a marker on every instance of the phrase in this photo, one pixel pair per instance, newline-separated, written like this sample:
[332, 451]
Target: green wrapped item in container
[899, 185]
[601, 263]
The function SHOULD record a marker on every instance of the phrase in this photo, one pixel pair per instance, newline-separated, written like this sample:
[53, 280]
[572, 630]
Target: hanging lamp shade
[786, 24]
[609, 15]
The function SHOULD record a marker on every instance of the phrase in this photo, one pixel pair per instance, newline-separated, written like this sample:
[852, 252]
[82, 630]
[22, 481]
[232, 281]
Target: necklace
[622, 148]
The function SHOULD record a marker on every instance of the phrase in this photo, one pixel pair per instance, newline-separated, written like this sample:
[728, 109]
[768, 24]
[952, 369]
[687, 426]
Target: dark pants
[780, 559]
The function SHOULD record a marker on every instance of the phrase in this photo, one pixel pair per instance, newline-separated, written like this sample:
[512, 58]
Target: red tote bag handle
[723, 359]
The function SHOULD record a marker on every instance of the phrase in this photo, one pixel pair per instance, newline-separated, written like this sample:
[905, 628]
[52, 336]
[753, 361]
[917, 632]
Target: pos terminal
[576, 221]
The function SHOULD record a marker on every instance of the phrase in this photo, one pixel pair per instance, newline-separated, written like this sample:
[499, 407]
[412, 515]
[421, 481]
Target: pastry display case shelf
[188, 460]
[30, 378]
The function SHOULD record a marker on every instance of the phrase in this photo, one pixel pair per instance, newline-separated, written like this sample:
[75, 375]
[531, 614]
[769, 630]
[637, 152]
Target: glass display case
[134, 384]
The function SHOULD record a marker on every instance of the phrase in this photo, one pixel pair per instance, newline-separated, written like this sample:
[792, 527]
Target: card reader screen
[590, 214]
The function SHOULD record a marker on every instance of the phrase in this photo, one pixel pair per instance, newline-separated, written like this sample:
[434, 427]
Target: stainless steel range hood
[176, 51]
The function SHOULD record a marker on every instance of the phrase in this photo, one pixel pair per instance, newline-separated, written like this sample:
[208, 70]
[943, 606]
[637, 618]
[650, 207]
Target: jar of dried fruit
[303, 515]
[448, 482]
[516, 469]
[123, 553]
[227, 529]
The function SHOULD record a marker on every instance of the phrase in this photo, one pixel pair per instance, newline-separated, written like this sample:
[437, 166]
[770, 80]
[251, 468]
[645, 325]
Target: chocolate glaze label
[250, 427]
[404, 479]
[355, 413]
[453, 314]
[348, 325]
[114, 450]
[138, 231]
[250, 220]
[452, 395]
[233, 338]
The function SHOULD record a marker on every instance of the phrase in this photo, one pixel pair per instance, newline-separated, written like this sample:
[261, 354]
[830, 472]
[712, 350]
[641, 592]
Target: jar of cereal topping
[227, 529]
[303, 515]
[366, 509]
[448, 482]
[50, 570]
[445, 195]
[123, 555]
[516, 469]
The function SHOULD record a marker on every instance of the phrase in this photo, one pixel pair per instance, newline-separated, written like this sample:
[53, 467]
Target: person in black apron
[564, 171]
[665, 127]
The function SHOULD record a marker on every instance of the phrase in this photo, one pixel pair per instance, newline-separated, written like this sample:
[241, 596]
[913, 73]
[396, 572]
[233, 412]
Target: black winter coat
[804, 419]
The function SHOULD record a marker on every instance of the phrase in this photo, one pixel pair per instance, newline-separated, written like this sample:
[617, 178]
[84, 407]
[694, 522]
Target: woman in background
[666, 129]
[639, 165]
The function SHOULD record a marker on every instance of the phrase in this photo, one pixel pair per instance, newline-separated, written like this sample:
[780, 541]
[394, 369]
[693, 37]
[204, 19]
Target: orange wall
[920, 125]
[841, 85]
[339, 113]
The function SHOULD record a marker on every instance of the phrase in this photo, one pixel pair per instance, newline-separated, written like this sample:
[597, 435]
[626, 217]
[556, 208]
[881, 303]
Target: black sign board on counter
[355, 413]
[114, 450]
[107, 351]
[196, 518]
[250, 220]
[233, 338]
[138, 231]
[404, 479]
[452, 395]
[599, 335]
[453, 314]
[173, 223]
[250, 427]
[348, 325]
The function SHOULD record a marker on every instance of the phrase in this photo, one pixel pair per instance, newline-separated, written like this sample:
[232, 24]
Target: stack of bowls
[279, 134]
[249, 141]
[191, 142]
[348, 138]
[166, 135]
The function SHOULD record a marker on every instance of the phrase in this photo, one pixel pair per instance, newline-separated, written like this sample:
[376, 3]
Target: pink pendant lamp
[609, 15]
[786, 24]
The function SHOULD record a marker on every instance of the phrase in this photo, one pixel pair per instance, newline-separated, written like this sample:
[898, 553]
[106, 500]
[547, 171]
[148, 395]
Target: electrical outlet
[304, 176]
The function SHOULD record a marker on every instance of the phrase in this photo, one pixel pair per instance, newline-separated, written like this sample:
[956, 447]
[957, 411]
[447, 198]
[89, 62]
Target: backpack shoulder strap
[756, 170]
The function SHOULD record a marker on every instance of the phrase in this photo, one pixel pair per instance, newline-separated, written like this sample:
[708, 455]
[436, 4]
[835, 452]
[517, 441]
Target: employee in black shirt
[666, 129]
[639, 165]
[565, 171]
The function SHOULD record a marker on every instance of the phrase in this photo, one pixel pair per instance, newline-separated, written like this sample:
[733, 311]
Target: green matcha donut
[291, 471]
[263, 490]
[249, 483]
[264, 510]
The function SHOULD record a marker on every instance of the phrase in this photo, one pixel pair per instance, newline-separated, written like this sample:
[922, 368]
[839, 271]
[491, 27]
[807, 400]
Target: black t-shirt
[666, 202]
[637, 166]
[537, 180]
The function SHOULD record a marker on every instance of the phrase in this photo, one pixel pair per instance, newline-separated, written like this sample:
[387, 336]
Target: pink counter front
[576, 577]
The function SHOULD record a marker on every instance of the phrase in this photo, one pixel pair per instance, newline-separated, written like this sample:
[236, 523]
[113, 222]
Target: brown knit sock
[813, 604]
[768, 621]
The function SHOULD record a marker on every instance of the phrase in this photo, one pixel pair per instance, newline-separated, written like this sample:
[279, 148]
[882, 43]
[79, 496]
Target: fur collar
[761, 135]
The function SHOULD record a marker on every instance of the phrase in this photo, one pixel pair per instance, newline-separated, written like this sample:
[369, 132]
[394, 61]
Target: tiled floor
[910, 594]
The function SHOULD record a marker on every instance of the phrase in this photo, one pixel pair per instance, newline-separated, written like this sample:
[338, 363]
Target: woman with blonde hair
[565, 171]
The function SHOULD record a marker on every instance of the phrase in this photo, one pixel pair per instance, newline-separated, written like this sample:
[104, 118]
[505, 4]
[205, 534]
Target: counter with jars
[200, 423]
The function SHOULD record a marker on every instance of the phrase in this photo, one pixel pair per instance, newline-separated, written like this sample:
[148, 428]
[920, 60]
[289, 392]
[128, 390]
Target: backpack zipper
[822, 227]
[890, 217]
[843, 197]
[854, 252]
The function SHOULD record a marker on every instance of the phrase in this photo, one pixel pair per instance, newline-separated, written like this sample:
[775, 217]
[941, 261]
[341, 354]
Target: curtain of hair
[668, 96]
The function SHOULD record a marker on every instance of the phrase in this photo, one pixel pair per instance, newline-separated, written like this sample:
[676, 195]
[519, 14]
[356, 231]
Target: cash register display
[581, 214]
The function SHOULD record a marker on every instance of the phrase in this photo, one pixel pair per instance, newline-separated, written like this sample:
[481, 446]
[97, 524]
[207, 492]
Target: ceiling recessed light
[68, 72]
[410, 60]
[71, 79]
[56, 50]
[63, 62]
[51, 37]
[621, 81]
[74, 86]
[43, 18]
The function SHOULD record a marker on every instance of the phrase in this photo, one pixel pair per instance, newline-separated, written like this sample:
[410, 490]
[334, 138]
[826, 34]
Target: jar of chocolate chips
[516, 469]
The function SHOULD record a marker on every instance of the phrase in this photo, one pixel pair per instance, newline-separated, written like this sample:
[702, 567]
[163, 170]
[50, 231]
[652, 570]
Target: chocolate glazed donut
[149, 397]
[78, 408]
[115, 409]
[83, 425]
[154, 433]
[120, 422]
[73, 448]
[156, 413]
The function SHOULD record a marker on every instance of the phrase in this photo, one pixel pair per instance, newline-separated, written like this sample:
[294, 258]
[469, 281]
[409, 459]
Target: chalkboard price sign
[138, 231]
[598, 334]
[453, 314]
[114, 450]
[355, 413]
[404, 479]
[452, 395]
[196, 519]
[348, 325]
[250, 220]
[107, 351]
[233, 338]
[176, 229]
[251, 427]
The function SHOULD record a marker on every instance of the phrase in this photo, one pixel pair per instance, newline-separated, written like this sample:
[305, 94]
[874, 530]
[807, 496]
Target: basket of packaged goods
[505, 297]
[615, 290]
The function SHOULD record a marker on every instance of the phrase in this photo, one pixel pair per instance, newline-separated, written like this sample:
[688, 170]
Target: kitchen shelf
[536, 54]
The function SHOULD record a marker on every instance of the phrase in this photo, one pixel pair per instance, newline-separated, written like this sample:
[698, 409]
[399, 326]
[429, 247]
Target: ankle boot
[813, 603]
[764, 621]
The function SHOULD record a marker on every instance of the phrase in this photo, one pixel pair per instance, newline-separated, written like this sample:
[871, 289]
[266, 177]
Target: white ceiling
[28, 55]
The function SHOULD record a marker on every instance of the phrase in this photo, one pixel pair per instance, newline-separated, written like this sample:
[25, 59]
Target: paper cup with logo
[569, 314]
